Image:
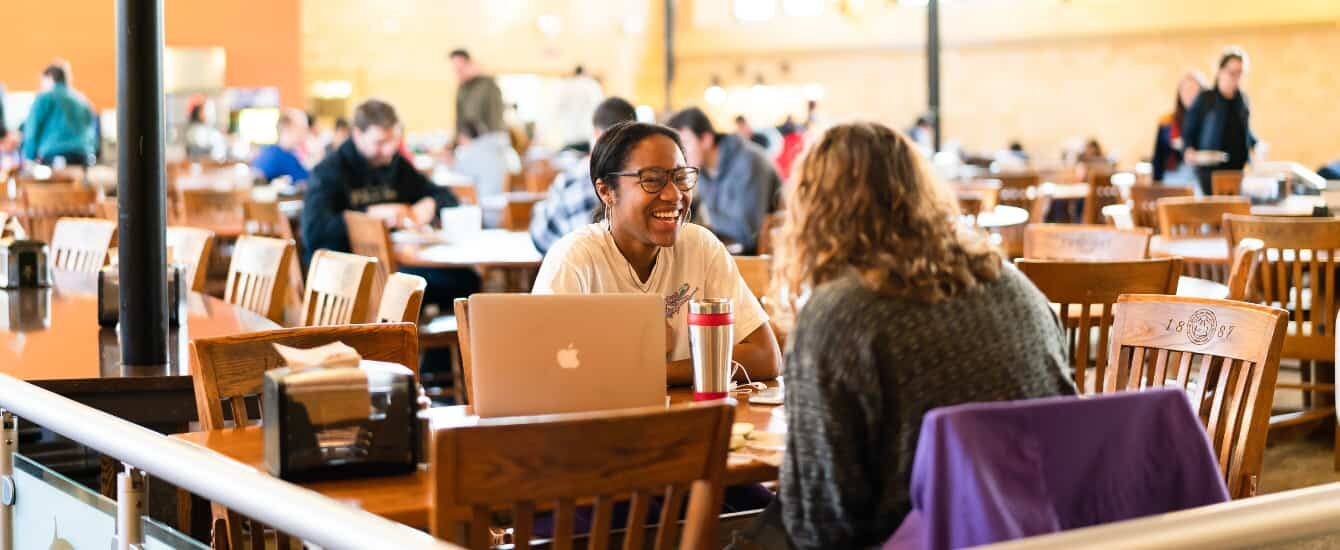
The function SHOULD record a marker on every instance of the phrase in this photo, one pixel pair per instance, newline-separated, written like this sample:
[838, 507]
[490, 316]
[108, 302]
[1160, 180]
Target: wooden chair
[1101, 193]
[44, 203]
[1226, 182]
[769, 231]
[466, 194]
[1084, 293]
[1061, 241]
[1021, 190]
[978, 196]
[231, 369]
[211, 207]
[339, 286]
[368, 236]
[1144, 202]
[265, 219]
[461, 306]
[516, 213]
[191, 247]
[756, 272]
[1246, 261]
[1298, 274]
[637, 455]
[258, 275]
[401, 299]
[1226, 354]
[1199, 218]
[81, 244]
[1118, 216]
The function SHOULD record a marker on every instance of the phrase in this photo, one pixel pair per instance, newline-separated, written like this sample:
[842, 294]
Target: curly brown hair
[864, 203]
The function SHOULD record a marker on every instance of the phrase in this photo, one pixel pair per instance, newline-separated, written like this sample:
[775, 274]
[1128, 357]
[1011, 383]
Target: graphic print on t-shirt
[678, 298]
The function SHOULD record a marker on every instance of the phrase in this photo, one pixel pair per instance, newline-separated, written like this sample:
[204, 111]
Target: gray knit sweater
[861, 370]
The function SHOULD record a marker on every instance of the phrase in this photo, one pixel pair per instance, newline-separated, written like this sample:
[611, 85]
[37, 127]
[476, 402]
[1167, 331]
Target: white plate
[419, 238]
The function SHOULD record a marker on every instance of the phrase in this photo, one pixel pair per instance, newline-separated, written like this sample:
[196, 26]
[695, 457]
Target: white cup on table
[462, 220]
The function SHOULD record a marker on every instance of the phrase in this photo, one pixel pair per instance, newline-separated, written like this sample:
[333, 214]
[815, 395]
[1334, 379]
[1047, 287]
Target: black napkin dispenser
[340, 422]
[23, 264]
[109, 295]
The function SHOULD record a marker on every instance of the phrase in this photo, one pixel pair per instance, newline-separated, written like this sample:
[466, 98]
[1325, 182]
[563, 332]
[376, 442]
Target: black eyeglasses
[653, 180]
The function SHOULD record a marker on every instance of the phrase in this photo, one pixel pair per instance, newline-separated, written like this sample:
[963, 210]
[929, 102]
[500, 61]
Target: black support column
[669, 52]
[141, 191]
[933, 67]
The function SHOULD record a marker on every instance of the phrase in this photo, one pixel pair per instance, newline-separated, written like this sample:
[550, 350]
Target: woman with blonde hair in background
[1169, 166]
[904, 310]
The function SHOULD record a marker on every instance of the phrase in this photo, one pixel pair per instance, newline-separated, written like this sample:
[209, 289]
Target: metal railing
[288, 508]
[1271, 519]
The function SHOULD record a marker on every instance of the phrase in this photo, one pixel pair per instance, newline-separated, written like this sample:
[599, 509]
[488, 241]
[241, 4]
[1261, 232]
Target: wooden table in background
[511, 252]
[405, 498]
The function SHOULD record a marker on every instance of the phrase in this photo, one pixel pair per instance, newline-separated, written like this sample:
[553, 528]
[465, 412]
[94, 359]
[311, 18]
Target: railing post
[129, 509]
[9, 444]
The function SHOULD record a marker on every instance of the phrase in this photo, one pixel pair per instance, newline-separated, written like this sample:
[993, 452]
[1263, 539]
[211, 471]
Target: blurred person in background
[338, 134]
[203, 139]
[738, 185]
[1217, 127]
[578, 96]
[923, 134]
[60, 123]
[478, 96]
[487, 159]
[571, 200]
[1168, 164]
[283, 157]
[746, 132]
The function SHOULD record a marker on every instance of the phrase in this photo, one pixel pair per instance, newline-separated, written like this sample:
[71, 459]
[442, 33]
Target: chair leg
[1305, 375]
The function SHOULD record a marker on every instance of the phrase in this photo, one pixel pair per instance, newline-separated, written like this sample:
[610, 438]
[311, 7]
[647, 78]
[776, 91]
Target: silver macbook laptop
[545, 354]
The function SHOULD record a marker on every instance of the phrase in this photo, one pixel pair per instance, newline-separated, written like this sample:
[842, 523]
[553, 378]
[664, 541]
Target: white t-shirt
[586, 261]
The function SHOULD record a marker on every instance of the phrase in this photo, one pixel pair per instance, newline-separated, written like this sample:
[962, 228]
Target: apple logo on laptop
[567, 357]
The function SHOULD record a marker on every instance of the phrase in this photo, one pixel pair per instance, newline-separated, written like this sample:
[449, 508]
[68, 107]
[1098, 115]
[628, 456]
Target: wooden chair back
[461, 307]
[1198, 217]
[401, 299]
[369, 236]
[756, 272]
[81, 244]
[1144, 202]
[466, 194]
[1063, 241]
[1246, 260]
[1084, 293]
[678, 455]
[265, 219]
[1021, 189]
[1298, 274]
[258, 275]
[516, 214]
[1225, 353]
[978, 196]
[1118, 216]
[338, 289]
[211, 207]
[1101, 193]
[191, 248]
[1226, 182]
[44, 203]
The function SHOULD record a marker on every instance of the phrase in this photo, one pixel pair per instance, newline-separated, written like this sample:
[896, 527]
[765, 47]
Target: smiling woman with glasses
[645, 244]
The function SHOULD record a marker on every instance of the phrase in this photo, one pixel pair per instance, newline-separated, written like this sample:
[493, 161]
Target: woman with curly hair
[904, 310]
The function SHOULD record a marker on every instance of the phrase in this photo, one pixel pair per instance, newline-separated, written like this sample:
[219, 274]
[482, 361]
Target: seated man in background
[281, 157]
[738, 186]
[572, 197]
[367, 174]
[487, 158]
[59, 124]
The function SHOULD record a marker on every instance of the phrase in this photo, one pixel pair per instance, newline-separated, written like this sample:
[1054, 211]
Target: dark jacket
[1203, 125]
[345, 181]
[1166, 155]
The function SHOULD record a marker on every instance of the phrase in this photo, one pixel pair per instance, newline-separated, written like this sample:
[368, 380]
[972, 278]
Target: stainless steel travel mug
[711, 337]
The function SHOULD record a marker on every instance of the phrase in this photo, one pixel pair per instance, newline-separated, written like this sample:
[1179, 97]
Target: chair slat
[564, 513]
[1299, 307]
[480, 536]
[1217, 411]
[1136, 374]
[523, 524]
[1160, 368]
[667, 530]
[600, 524]
[1082, 335]
[637, 520]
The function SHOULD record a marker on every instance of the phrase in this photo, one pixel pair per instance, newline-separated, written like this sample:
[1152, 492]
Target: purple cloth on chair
[989, 472]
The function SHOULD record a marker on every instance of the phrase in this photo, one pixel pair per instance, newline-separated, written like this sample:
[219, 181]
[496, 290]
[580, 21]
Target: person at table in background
[739, 185]
[571, 200]
[367, 174]
[923, 134]
[338, 134]
[645, 245]
[478, 96]
[1168, 164]
[281, 157]
[747, 133]
[578, 97]
[1219, 120]
[487, 159]
[202, 138]
[886, 292]
[59, 124]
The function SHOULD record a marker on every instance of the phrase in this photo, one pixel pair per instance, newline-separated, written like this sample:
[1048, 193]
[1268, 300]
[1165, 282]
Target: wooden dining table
[50, 337]
[406, 499]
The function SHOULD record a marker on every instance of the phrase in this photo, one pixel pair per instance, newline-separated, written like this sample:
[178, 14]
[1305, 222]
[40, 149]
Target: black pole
[669, 51]
[933, 68]
[140, 188]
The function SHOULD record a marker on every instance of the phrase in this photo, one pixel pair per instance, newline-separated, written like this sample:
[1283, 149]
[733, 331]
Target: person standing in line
[1169, 166]
[1217, 128]
[59, 124]
[478, 97]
